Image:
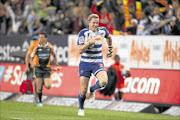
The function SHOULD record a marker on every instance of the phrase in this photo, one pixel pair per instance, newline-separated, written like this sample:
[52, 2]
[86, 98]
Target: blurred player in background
[122, 72]
[40, 61]
[29, 69]
[33, 45]
[90, 47]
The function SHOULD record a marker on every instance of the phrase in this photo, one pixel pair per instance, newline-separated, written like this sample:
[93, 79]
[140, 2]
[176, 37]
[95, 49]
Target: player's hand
[57, 67]
[27, 69]
[91, 40]
[110, 51]
[33, 65]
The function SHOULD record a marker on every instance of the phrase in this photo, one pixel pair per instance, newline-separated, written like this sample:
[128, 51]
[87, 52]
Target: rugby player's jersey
[94, 54]
[33, 45]
[41, 55]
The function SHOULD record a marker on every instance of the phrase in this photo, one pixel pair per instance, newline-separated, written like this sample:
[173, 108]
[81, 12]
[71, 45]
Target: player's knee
[83, 91]
[39, 90]
[48, 86]
[103, 82]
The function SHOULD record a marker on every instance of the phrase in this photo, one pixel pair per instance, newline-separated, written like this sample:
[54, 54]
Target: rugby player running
[90, 47]
[40, 61]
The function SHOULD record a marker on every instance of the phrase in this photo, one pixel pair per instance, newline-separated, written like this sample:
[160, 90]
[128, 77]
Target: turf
[29, 111]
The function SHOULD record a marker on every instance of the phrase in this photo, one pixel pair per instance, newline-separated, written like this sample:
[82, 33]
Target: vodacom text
[142, 85]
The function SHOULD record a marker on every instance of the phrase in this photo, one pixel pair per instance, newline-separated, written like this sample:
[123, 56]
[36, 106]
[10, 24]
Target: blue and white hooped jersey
[93, 55]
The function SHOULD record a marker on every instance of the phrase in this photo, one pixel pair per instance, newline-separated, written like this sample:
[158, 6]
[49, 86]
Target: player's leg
[101, 74]
[47, 78]
[120, 95]
[84, 81]
[84, 73]
[121, 92]
[47, 83]
[31, 76]
[38, 80]
[39, 90]
[101, 82]
[35, 91]
[116, 94]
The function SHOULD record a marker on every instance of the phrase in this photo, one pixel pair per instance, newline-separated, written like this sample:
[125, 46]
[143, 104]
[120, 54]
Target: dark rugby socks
[81, 99]
[39, 93]
[95, 86]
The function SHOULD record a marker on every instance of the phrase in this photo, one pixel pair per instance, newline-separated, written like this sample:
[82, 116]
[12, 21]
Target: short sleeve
[52, 48]
[34, 52]
[106, 32]
[81, 38]
[31, 47]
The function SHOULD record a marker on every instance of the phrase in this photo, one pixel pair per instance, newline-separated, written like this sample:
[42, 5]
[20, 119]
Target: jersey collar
[43, 46]
[93, 31]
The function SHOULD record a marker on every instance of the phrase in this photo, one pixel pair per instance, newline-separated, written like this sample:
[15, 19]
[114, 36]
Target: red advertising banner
[161, 86]
[145, 85]
[64, 82]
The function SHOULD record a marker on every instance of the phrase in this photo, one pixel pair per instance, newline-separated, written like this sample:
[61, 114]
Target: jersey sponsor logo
[142, 85]
[99, 38]
[81, 71]
[39, 49]
[100, 65]
[81, 40]
[43, 55]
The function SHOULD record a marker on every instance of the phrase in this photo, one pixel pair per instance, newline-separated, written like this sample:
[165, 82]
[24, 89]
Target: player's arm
[27, 61]
[56, 61]
[109, 42]
[27, 58]
[82, 45]
[55, 58]
[32, 57]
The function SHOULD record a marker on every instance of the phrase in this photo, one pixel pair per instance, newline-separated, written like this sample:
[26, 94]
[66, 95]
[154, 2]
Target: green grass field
[28, 111]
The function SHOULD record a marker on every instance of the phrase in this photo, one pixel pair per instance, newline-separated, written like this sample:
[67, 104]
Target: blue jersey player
[90, 47]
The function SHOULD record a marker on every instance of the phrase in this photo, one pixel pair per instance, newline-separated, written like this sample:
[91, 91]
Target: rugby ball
[125, 72]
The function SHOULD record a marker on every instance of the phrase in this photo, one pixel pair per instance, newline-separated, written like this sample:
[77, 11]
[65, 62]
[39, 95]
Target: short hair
[117, 58]
[44, 33]
[92, 16]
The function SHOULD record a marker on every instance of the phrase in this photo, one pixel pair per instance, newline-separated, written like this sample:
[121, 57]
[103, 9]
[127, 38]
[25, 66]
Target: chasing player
[90, 47]
[40, 61]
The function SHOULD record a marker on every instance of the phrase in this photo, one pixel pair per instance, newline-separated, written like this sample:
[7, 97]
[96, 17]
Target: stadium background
[154, 61]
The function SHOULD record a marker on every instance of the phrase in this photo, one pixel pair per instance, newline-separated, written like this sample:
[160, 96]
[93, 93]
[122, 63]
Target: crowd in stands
[28, 17]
